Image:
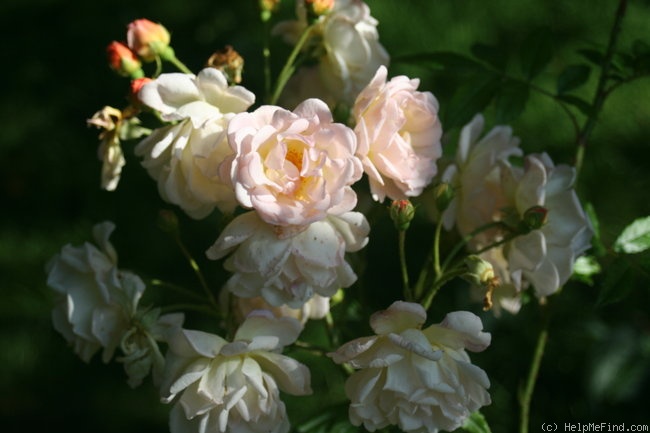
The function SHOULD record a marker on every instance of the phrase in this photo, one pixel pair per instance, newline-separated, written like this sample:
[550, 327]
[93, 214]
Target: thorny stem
[601, 92]
[288, 68]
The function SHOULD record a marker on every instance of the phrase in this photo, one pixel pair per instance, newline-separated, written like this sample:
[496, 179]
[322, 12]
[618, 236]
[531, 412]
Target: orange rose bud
[136, 85]
[317, 8]
[122, 60]
[148, 39]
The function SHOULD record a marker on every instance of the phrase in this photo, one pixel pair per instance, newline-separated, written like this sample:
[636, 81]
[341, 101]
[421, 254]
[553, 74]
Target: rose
[398, 132]
[421, 380]
[285, 266]
[95, 300]
[184, 157]
[147, 38]
[234, 387]
[293, 168]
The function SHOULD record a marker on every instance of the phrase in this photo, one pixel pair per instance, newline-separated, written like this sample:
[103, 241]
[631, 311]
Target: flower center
[295, 150]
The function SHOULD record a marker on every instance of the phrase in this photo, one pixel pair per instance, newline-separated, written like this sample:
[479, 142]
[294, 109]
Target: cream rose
[293, 168]
[289, 267]
[222, 386]
[420, 380]
[184, 157]
[398, 134]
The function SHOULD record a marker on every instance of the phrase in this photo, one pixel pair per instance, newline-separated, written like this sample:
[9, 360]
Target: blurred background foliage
[597, 363]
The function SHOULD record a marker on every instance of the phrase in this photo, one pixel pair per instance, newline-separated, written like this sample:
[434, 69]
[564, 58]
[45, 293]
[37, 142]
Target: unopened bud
[229, 62]
[443, 194]
[148, 39]
[267, 7]
[167, 221]
[535, 217]
[316, 8]
[479, 272]
[402, 213]
[123, 61]
[136, 85]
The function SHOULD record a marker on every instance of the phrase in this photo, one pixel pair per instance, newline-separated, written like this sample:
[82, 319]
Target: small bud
[229, 62]
[167, 221]
[267, 7]
[443, 194]
[479, 272]
[402, 213]
[136, 85]
[317, 8]
[535, 217]
[148, 39]
[122, 60]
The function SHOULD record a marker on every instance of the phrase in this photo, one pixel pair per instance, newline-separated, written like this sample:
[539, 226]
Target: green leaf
[584, 268]
[476, 423]
[599, 248]
[470, 99]
[579, 103]
[618, 282]
[572, 77]
[594, 56]
[635, 238]
[511, 101]
[444, 60]
[490, 54]
[536, 52]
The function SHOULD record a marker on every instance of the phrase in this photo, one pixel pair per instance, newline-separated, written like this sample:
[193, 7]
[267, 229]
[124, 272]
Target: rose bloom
[398, 134]
[147, 39]
[285, 266]
[545, 256]
[184, 157]
[420, 380]
[95, 300]
[349, 43]
[233, 387]
[293, 168]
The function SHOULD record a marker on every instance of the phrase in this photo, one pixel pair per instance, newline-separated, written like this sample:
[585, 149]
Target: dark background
[55, 76]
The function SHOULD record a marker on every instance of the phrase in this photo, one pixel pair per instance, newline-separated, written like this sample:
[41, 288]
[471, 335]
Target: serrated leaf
[476, 423]
[579, 103]
[536, 52]
[511, 101]
[572, 77]
[490, 54]
[470, 99]
[634, 238]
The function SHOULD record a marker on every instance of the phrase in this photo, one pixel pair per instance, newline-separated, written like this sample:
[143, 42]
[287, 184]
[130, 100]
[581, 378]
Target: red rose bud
[136, 85]
[535, 217]
[402, 213]
[148, 39]
[122, 60]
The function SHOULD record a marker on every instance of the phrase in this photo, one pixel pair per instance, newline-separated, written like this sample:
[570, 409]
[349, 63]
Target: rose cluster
[287, 177]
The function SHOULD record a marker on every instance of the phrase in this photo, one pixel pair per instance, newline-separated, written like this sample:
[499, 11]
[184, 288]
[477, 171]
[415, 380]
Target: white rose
[545, 256]
[285, 266]
[95, 300]
[184, 157]
[233, 387]
[398, 135]
[420, 380]
[351, 52]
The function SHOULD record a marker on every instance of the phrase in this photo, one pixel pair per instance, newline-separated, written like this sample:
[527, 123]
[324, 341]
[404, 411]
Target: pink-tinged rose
[285, 266]
[293, 168]
[147, 38]
[398, 134]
